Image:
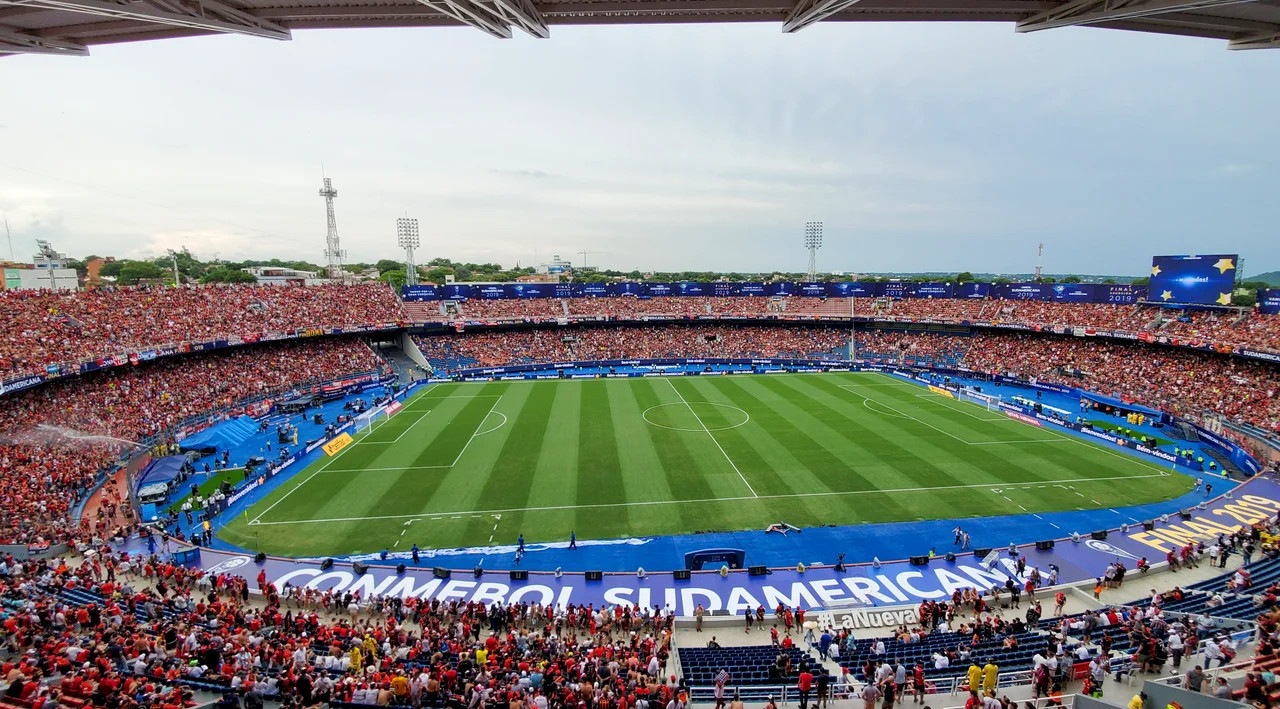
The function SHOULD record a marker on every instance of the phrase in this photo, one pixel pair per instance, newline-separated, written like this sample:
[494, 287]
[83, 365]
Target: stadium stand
[112, 627]
[450, 352]
[748, 665]
[128, 631]
[43, 329]
[1227, 328]
[43, 473]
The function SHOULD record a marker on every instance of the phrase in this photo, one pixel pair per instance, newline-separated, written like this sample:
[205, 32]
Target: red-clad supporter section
[1184, 382]
[1227, 328]
[43, 472]
[42, 329]
[127, 631]
[485, 349]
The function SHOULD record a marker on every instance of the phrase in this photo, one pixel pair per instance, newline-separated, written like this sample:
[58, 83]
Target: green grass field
[478, 463]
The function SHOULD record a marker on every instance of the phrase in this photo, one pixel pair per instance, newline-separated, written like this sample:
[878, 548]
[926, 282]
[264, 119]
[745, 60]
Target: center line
[713, 437]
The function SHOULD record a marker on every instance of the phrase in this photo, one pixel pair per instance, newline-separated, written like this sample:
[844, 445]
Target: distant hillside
[1271, 277]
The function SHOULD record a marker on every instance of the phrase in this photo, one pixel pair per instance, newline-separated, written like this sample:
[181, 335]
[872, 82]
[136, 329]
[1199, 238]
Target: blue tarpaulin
[224, 436]
[160, 470]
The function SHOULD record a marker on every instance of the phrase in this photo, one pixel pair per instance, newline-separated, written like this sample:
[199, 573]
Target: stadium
[355, 469]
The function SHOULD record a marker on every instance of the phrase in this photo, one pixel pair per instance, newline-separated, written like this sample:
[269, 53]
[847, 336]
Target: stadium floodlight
[50, 256]
[407, 238]
[813, 242]
[173, 256]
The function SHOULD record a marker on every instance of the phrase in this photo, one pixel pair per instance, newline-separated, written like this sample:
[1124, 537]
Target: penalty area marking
[491, 430]
[703, 429]
[941, 400]
[344, 451]
[901, 414]
[703, 501]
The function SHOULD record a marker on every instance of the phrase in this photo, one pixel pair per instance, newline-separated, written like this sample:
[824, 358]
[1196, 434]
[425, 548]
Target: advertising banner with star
[1207, 280]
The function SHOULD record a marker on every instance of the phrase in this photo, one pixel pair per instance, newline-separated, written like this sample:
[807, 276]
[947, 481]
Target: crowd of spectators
[1180, 381]
[489, 348]
[48, 456]
[897, 346]
[63, 328]
[1230, 328]
[115, 628]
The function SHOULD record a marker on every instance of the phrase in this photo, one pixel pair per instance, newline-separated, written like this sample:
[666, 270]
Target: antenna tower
[407, 237]
[1039, 260]
[813, 242]
[332, 249]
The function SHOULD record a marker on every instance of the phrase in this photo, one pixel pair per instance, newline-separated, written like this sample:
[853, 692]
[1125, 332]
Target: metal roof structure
[72, 26]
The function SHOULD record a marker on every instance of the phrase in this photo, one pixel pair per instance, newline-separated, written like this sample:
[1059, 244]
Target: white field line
[940, 430]
[258, 519]
[1049, 428]
[397, 438]
[477, 431]
[713, 437]
[305, 480]
[704, 501]
[941, 400]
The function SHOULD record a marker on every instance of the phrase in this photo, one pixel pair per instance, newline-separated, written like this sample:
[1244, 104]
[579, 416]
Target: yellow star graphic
[1155, 270]
[1224, 299]
[1223, 265]
[1167, 295]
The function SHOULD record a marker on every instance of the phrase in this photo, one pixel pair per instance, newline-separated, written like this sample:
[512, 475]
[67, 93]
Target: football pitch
[476, 464]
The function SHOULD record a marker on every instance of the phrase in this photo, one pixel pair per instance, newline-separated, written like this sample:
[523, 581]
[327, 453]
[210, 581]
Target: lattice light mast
[332, 249]
[813, 242]
[407, 237]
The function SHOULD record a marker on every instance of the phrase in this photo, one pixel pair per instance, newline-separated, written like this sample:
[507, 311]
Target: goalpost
[991, 402]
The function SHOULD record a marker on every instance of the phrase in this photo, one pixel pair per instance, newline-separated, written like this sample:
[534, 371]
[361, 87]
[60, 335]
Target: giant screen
[1193, 279]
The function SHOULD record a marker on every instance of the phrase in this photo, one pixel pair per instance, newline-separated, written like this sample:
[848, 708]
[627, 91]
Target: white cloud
[684, 146]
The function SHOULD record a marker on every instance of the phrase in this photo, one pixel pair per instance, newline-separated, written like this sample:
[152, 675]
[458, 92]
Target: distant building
[47, 271]
[279, 276]
[556, 266]
[93, 270]
[538, 278]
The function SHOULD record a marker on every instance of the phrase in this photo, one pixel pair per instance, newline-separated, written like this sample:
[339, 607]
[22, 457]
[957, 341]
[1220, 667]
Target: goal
[991, 402]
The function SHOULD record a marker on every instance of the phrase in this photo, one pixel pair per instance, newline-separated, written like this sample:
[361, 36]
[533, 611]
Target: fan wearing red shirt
[805, 685]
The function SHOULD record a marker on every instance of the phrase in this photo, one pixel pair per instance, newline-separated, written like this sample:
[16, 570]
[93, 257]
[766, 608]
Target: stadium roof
[71, 26]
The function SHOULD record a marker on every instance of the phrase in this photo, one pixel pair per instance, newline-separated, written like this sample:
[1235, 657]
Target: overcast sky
[921, 147]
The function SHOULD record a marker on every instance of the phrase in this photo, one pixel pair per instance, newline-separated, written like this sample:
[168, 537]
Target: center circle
[695, 416]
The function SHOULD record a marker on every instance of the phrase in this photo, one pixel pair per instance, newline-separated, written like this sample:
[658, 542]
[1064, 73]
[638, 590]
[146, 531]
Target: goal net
[992, 403]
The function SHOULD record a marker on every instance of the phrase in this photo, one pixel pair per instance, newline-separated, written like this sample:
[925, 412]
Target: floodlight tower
[332, 249]
[407, 237]
[50, 255]
[173, 256]
[813, 242]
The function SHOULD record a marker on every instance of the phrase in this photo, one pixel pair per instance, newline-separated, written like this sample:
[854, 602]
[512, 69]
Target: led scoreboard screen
[1207, 280]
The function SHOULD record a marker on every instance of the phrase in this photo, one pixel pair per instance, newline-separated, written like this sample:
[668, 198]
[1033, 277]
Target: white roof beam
[473, 14]
[807, 12]
[1091, 12]
[525, 16]
[233, 21]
